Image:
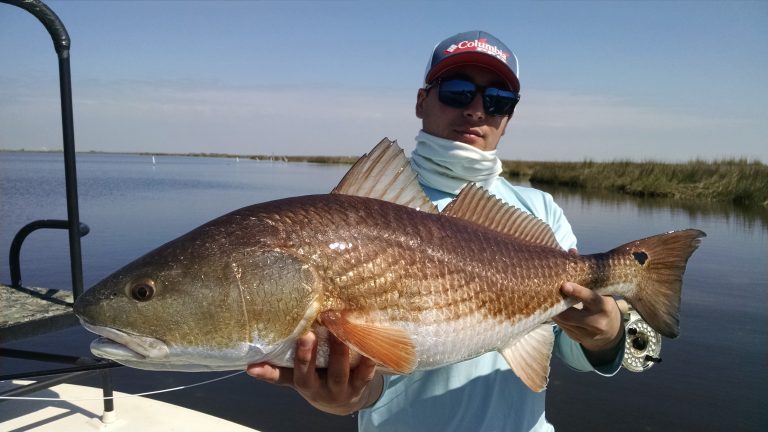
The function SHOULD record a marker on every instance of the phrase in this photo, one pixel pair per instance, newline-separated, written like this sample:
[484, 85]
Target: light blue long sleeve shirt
[481, 394]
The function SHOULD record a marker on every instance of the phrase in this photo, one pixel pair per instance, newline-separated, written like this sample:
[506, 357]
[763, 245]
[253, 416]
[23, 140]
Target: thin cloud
[553, 109]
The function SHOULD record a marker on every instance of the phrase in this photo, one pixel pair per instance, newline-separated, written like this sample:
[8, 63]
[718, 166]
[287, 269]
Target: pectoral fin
[529, 356]
[388, 346]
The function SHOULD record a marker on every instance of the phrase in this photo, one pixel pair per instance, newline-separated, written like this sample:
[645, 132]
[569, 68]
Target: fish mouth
[119, 345]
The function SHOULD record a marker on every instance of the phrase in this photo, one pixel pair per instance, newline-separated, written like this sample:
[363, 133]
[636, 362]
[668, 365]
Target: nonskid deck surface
[32, 311]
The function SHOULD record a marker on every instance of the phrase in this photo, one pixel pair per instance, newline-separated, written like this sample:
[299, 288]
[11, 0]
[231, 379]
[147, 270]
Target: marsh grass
[737, 181]
[344, 160]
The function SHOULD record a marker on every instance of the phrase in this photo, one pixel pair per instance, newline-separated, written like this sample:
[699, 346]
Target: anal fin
[388, 346]
[529, 356]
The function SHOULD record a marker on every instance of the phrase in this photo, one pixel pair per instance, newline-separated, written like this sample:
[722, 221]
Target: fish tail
[662, 260]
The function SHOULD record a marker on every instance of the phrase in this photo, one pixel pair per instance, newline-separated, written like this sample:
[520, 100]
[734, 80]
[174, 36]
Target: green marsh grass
[737, 181]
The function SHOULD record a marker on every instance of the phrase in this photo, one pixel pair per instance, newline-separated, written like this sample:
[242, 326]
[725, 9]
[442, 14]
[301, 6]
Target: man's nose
[475, 108]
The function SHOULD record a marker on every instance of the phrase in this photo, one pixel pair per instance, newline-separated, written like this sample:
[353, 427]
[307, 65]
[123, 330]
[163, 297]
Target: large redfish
[375, 264]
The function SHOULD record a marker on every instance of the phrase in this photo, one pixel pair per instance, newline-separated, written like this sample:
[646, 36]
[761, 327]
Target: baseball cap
[474, 47]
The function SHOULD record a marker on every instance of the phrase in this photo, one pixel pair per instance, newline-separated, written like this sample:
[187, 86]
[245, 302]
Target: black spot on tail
[641, 257]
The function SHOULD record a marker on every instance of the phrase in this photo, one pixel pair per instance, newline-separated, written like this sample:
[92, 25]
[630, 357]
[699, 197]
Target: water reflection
[750, 217]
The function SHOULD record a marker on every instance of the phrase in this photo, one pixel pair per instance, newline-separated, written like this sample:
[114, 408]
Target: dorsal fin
[477, 205]
[385, 174]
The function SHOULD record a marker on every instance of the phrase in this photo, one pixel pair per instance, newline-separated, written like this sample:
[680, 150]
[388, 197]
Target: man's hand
[337, 389]
[597, 326]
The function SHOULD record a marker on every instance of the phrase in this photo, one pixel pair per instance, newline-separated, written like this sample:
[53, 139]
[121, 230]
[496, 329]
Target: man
[470, 90]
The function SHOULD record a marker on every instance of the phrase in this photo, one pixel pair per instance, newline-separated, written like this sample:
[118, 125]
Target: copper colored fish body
[377, 266]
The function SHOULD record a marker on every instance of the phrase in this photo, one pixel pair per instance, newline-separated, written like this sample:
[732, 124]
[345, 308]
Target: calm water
[710, 379]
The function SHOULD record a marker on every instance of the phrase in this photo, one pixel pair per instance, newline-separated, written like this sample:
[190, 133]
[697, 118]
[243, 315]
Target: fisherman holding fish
[420, 293]
[469, 95]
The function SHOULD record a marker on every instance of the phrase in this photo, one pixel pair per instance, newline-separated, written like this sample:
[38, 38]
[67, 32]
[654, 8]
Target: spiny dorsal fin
[530, 355]
[388, 346]
[477, 205]
[385, 174]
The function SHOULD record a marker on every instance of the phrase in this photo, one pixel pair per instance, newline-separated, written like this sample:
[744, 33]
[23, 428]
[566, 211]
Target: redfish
[375, 264]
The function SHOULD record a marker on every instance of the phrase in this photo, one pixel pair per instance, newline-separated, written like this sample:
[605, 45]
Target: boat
[81, 409]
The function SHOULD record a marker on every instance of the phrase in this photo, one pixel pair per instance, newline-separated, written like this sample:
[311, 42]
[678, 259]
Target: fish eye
[143, 290]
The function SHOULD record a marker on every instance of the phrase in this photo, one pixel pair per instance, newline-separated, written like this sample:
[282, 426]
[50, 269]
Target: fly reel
[643, 343]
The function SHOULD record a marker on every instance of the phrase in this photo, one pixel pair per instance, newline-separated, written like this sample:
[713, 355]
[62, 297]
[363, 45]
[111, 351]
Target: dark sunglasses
[459, 93]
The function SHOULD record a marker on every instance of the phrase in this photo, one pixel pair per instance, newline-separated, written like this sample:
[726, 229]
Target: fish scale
[458, 276]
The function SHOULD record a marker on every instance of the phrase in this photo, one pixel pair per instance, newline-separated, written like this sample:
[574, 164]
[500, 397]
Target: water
[710, 378]
[132, 205]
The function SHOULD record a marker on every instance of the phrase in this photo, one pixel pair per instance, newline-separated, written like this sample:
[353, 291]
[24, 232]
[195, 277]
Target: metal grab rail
[18, 239]
[61, 44]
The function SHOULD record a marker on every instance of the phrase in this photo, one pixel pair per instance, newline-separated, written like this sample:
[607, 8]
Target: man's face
[470, 125]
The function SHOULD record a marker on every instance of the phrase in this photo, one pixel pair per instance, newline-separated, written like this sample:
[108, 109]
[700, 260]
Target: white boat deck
[78, 414]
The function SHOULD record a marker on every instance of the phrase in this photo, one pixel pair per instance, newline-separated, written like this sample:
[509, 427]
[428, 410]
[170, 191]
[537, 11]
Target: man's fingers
[304, 374]
[362, 374]
[338, 364]
[583, 294]
[270, 374]
[570, 320]
[572, 316]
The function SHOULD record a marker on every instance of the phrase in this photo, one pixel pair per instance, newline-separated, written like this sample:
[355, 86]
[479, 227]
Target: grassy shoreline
[736, 181]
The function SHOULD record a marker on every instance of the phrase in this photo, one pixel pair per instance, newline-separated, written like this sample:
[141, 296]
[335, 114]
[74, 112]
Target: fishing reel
[643, 343]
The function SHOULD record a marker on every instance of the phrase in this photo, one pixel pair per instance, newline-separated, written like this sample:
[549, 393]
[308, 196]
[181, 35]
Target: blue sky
[601, 80]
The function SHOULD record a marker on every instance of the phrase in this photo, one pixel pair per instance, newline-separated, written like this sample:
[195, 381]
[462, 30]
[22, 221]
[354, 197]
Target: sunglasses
[459, 93]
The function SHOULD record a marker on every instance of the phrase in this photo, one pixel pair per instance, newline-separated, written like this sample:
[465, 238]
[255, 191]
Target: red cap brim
[478, 58]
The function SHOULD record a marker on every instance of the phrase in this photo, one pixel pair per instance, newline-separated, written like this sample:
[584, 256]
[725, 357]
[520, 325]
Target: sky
[601, 80]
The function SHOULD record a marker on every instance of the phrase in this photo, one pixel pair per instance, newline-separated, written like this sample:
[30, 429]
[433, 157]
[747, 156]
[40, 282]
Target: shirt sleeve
[572, 353]
[559, 223]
